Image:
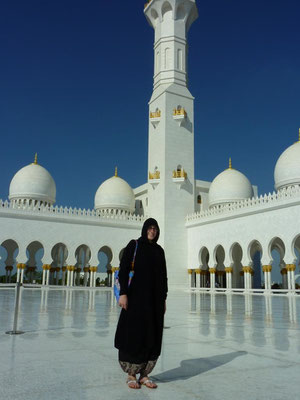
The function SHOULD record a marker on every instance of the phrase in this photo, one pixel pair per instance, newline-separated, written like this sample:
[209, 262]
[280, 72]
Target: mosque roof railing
[85, 216]
[283, 198]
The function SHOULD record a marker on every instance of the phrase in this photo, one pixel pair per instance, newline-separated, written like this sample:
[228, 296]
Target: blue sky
[76, 77]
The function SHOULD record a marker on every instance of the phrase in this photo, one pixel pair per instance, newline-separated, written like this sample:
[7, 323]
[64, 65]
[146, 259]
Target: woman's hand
[123, 301]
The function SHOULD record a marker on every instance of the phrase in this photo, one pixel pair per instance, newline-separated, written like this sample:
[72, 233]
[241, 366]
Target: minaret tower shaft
[171, 189]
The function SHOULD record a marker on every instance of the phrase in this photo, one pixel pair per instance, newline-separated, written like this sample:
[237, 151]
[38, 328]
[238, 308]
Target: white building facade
[216, 234]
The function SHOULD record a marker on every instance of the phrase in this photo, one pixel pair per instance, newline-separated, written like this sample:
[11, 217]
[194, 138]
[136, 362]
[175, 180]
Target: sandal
[148, 383]
[133, 384]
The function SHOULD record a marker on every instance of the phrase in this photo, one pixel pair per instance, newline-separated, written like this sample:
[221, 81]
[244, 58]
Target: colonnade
[209, 278]
[70, 275]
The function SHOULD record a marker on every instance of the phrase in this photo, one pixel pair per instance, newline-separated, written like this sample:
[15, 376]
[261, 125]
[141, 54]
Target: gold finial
[230, 163]
[299, 135]
[35, 159]
[116, 171]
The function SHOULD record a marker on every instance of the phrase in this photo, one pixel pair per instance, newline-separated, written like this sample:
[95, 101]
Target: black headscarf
[150, 222]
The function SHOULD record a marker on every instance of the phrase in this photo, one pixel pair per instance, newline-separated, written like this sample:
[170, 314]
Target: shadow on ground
[196, 366]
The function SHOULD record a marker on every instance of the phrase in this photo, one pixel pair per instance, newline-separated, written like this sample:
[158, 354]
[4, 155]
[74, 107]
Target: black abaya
[140, 327]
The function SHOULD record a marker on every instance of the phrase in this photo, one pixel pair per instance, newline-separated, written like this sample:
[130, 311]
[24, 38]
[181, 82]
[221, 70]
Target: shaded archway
[105, 257]
[34, 253]
[255, 254]
[59, 254]
[9, 250]
[83, 255]
[237, 267]
[219, 257]
[203, 263]
[278, 275]
[296, 247]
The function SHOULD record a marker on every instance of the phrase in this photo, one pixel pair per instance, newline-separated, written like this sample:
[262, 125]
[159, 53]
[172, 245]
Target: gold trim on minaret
[230, 163]
[35, 159]
[299, 136]
[116, 171]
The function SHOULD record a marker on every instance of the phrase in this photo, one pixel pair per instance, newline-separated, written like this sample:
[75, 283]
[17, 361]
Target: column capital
[198, 271]
[21, 266]
[283, 271]
[229, 270]
[212, 270]
[190, 271]
[267, 268]
[290, 267]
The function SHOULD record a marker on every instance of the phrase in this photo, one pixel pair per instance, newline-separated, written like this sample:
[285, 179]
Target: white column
[72, 278]
[291, 276]
[91, 277]
[44, 275]
[22, 275]
[229, 271]
[212, 278]
[267, 275]
[18, 273]
[47, 276]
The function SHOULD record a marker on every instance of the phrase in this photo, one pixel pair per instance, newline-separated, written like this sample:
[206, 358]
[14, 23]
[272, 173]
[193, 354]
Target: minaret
[171, 193]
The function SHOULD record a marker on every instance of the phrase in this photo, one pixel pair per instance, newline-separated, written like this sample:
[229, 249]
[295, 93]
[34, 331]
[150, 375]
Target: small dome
[33, 182]
[115, 193]
[228, 187]
[287, 169]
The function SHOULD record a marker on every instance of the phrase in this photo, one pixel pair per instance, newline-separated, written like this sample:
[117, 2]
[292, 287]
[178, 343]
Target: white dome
[115, 193]
[287, 169]
[228, 187]
[33, 182]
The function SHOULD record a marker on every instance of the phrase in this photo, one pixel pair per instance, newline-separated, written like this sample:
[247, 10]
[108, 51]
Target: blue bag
[131, 274]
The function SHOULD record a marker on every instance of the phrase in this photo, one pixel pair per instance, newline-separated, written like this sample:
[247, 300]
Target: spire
[116, 171]
[35, 159]
[230, 163]
[299, 136]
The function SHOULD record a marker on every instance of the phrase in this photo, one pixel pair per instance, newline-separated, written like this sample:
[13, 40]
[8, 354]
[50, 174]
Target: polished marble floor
[215, 347]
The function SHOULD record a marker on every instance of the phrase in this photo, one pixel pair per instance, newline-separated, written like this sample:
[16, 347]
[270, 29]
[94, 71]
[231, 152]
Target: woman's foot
[132, 382]
[147, 382]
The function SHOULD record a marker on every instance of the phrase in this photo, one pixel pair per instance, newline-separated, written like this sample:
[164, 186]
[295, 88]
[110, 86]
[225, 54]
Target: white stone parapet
[283, 198]
[41, 211]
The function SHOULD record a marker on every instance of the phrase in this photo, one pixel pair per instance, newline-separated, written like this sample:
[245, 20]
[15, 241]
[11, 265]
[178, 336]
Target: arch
[276, 250]
[166, 11]
[180, 12]
[167, 64]
[157, 63]
[236, 255]
[255, 252]
[203, 261]
[121, 253]
[59, 254]
[219, 257]
[82, 255]
[179, 59]
[154, 14]
[35, 253]
[9, 250]
[203, 257]
[105, 256]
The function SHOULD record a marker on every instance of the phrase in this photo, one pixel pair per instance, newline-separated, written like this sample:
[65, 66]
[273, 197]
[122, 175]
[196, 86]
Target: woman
[140, 327]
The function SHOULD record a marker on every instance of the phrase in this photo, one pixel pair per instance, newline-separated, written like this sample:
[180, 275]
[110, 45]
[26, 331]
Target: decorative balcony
[179, 115]
[179, 177]
[154, 178]
[155, 117]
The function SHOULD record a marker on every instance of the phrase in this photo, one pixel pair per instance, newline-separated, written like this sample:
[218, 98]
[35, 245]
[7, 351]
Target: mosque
[217, 234]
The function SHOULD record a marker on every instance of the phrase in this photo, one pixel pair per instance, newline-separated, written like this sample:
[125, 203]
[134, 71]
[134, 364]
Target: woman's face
[151, 232]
